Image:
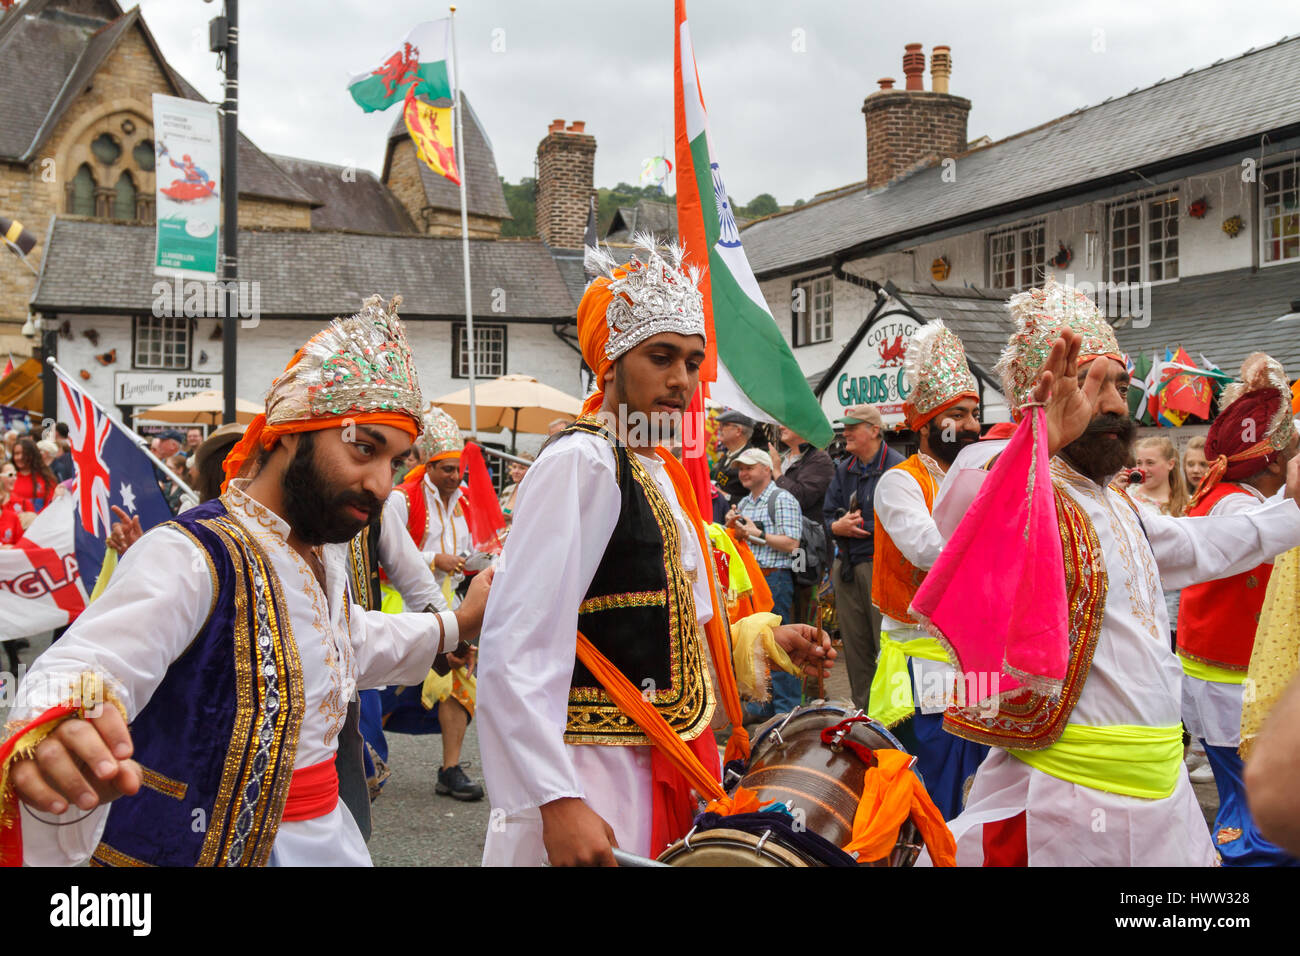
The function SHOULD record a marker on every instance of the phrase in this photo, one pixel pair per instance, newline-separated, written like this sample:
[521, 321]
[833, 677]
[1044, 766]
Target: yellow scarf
[1276, 656]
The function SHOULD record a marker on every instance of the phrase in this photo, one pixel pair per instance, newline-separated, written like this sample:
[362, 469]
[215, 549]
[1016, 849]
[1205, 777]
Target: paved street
[413, 826]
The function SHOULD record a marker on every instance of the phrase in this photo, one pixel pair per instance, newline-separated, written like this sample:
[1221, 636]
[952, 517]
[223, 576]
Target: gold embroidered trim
[105, 855]
[627, 599]
[164, 785]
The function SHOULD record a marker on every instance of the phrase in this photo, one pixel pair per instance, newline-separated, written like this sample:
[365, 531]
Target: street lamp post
[224, 38]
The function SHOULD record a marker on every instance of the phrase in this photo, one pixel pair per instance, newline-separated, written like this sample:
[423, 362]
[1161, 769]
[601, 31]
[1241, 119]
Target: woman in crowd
[1194, 463]
[11, 507]
[516, 472]
[1163, 490]
[35, 483]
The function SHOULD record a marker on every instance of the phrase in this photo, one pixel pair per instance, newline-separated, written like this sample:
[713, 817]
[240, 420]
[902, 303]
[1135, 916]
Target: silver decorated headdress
[650, 293]
[355, 365]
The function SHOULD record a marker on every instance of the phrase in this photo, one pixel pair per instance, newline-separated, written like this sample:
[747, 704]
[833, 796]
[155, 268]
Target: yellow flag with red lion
[430, 129]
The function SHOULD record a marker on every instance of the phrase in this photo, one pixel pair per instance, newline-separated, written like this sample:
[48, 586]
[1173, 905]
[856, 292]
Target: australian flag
[111, 470]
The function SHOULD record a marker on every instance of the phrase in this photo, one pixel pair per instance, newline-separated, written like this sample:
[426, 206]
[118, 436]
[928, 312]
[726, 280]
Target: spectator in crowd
[171, 490]
[35, 483]
[1194, 464]
[769, 517]
[11, 508]
[736, 432]
[1162, 489]
[193, 439]
[559, 425]
[805, 472]
[169, 443]
[850, 518]
[516, 472]
[10, 440]
[63, 465]
[209, 458]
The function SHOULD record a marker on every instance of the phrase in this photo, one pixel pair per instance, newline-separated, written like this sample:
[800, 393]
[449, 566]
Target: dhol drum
[819, 778]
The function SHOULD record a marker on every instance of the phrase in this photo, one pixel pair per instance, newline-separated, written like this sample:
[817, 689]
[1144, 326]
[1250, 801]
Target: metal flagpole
[464, 224]
[135, 437]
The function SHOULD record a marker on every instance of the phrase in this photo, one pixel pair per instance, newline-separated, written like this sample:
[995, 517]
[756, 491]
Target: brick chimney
[909, 125]
[566, 160]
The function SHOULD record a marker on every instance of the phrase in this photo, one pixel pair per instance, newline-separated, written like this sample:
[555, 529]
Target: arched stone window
[124, 198]
[81, 192]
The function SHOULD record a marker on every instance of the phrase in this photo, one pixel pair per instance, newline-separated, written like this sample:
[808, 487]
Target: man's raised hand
[1070, 404]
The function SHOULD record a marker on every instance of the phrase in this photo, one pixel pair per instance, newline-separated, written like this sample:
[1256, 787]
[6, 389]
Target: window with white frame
[1017, 256]
[810, 309]
[162, 341]
[1280, 213]
[489, 351]
[1144, 239]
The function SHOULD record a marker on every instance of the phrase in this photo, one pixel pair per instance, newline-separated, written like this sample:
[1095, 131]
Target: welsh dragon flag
[419, 60]
[749, 365]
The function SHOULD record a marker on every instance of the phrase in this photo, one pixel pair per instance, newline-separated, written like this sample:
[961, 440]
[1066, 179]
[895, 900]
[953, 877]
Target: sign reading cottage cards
[873, 374]
[188, 143]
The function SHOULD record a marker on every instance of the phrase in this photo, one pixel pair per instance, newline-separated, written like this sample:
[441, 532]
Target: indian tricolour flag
[421, 59]
[750, 367]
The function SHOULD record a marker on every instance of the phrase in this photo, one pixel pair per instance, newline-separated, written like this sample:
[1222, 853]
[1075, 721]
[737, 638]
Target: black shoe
[453, 782]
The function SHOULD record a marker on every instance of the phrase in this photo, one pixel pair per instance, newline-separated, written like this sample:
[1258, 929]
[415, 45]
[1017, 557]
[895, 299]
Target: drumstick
[821, 694]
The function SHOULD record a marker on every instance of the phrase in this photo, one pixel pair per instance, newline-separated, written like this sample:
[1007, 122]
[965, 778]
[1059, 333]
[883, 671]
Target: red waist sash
[313, 792]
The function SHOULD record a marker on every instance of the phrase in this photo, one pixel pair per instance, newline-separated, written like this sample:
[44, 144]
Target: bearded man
[227, 642]
[1093, 775]
[943, 409]
[607, 540]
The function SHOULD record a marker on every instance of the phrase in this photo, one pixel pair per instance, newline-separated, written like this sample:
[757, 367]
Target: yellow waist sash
[891, 688]
[1134, 761]
[1217, 675]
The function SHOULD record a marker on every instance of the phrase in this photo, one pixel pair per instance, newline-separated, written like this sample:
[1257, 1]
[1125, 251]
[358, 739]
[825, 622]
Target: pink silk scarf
[996, 597]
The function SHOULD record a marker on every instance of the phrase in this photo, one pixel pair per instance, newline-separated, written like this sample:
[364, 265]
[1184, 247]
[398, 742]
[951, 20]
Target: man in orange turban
[607, 541]
[229, 643]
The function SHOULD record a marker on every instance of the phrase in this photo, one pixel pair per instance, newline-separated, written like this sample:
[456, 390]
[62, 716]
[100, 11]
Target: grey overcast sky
[783, 81]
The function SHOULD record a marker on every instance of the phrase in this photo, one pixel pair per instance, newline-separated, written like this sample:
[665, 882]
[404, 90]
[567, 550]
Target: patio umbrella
[518, 402]
[203, 408]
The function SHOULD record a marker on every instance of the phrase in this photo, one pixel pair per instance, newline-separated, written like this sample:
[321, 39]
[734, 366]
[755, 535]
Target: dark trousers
[859, 629]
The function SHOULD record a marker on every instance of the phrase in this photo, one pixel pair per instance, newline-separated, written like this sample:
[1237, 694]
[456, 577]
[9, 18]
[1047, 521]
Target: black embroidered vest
[640, 613]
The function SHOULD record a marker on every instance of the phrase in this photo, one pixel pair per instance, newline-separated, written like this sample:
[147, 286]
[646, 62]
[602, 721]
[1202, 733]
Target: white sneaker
[1202, 774]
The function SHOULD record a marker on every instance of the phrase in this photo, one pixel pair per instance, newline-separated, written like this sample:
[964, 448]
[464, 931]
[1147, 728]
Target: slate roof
[47, 56]
[311, 274]
[1210, 110]
[569, 262]
[659, 218]
[483, 193]
[359, 202]
[1226, 316]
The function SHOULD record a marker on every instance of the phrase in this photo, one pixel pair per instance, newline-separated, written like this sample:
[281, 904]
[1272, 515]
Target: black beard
[312, 508]
[1095, 454]
[946, 451]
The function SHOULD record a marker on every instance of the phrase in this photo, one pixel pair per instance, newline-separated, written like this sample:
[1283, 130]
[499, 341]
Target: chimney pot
[577, 126]
[886, 83]
[556, 126]
[940, 68]
[914, 66]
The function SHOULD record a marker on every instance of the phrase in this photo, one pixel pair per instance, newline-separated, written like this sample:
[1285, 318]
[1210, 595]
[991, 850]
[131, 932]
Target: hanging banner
[187, 138]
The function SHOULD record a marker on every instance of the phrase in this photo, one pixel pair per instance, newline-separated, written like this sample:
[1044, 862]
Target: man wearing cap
[849, 517]
[736, 432]
[607, 541]
[1092, 774]
[769, 517]
[1248, 447]
[237, 687]
[942, 407]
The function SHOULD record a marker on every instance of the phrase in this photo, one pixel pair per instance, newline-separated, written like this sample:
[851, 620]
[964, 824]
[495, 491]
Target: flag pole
[457, 102]
[135, 437]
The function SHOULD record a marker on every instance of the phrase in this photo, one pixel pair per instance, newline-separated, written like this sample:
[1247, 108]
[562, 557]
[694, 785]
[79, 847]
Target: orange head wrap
[593, 336]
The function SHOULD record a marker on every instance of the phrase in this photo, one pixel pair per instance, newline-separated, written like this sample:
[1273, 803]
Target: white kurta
[163, 580]
[446, 532]
[900, 505]
[405, 566]
[1135, 679]
[1212, 710]
[566, 511]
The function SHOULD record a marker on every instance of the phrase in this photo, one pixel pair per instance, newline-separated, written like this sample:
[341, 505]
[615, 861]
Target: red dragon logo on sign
[892, 353]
